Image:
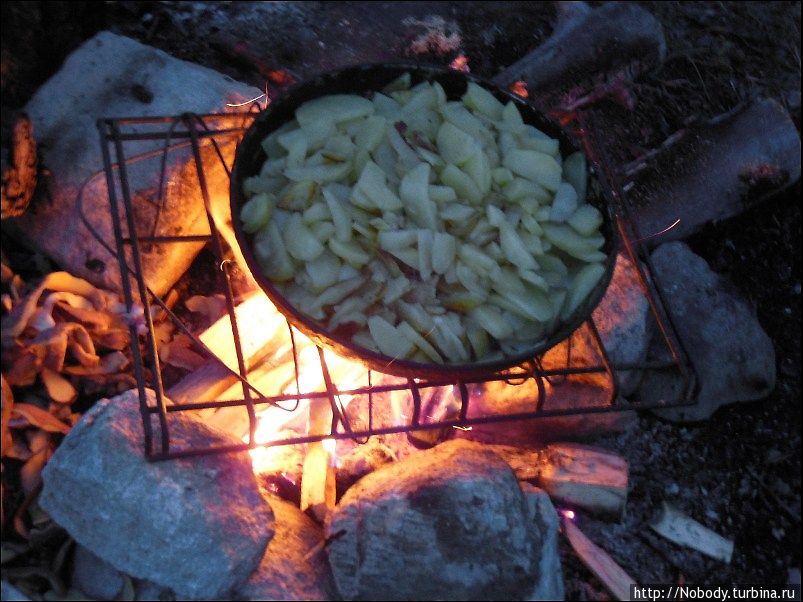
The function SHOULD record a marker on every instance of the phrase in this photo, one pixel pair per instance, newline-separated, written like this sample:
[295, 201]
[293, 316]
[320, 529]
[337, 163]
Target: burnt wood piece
[19, 167]
[715, 171]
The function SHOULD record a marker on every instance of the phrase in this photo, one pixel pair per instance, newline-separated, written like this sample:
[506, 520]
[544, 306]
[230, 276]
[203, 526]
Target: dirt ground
[739, 472]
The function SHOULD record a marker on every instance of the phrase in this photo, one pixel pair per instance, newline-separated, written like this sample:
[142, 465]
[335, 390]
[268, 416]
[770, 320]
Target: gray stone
[550, 581]
[717, 171]
[733, 356]
[114, 76]
[198, 526]
[95, 577]
[9, 592]
[294, 566]
[449, 523]
[588, 44]
[624, 323]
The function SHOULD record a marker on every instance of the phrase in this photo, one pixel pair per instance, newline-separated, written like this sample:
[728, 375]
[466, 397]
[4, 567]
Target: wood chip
[685, 531]
[612, 576]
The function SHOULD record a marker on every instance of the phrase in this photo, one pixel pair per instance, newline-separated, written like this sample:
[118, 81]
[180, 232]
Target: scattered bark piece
[19, 168]
[685, 531]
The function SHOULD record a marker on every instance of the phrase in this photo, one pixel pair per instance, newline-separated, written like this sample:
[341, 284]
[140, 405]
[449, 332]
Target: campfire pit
[301, 415]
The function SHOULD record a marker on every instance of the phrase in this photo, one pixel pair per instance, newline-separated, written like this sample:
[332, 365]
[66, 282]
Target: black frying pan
[364, 80]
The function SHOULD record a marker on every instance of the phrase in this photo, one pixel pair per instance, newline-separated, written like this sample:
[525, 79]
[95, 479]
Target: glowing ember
[568, 514]
[460, 64]
[520, 89]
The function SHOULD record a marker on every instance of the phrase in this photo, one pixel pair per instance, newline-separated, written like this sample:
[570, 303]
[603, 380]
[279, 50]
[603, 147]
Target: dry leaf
[59, 389]
[15, 323]
[24, 368]
[88, 316]
[212, 307]
[31, 471]
[26, 414]
[6, 273]
[6, 442]
[178, 353]
[81, 346]
[110, 363]
[113, 338]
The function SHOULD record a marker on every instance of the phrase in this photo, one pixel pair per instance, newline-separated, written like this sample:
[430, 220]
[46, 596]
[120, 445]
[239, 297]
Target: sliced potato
[441, 230]
[388, 339]
[535, 166]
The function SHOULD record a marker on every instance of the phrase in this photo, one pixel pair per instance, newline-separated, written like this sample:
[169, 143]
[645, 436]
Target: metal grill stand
[195, 131]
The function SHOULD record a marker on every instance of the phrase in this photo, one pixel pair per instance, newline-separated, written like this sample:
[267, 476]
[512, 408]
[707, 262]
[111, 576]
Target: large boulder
[111, 76]
[197, 526]
[449, 523]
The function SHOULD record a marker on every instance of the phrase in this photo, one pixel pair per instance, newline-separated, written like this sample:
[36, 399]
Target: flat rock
[113, 76]
[550, 582]
[587, 44]
[94, 576]
[717, 171]
[197, 526]
[294, 566]
[449, 523]
[733, 356]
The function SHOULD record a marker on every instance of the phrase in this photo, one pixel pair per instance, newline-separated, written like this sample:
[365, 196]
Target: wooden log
[586, 477]
[612, 576]
[260, 334]
[577, 475]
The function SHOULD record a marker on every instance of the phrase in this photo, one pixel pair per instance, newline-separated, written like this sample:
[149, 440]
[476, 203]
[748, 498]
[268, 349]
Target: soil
[737, 473]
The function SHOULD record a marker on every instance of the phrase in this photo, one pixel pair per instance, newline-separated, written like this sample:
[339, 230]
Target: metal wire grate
[152, 139]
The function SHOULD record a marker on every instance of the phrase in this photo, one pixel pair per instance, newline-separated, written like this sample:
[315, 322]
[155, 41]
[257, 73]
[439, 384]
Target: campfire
[295, 471]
